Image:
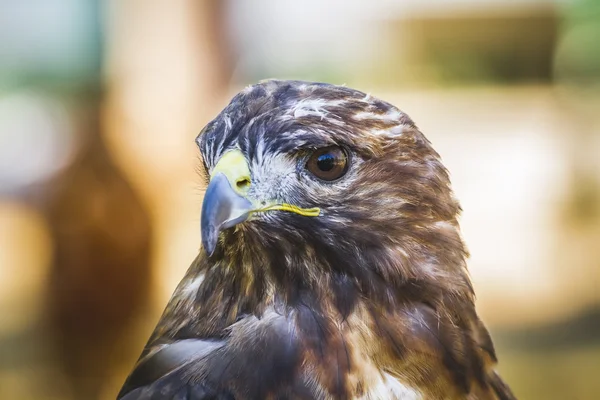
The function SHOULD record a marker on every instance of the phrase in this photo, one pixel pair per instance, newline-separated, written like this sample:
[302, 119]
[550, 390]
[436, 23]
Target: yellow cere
[234, 166]
[307, 212]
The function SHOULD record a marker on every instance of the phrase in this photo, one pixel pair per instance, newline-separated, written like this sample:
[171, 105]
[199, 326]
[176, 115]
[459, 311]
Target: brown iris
[328, 163]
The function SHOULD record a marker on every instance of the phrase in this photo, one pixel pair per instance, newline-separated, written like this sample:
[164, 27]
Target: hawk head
[324, 189]
[332, 264]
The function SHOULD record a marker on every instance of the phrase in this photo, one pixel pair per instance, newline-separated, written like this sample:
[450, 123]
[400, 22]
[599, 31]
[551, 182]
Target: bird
[331, 265]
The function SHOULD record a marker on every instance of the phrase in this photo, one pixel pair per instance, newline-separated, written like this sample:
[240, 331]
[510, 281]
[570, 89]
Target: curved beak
[222, 208]
[225, 203]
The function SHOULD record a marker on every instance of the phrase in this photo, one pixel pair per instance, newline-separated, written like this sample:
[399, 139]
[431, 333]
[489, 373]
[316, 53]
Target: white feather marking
[390, 388]
[445, 225]
[192, 287]
[390, 116]
[219, 149]
[394, 131]
[314, 107]
[260, 150]
[248, 89]
[228, 123]
[397, 130]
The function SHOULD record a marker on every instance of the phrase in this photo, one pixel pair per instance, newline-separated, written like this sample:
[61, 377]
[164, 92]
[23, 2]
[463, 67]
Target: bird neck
[242, 279]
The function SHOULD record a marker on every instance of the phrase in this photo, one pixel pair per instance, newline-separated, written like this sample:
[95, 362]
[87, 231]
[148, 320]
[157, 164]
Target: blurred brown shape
[152, 115]
[100, 278]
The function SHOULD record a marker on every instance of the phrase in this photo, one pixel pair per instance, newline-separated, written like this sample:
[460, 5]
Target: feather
[369, 299]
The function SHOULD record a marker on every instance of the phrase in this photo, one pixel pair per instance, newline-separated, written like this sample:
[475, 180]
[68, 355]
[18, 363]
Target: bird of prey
[332, 264]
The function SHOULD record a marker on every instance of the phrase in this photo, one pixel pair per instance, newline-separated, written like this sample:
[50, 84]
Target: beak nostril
[243, 183]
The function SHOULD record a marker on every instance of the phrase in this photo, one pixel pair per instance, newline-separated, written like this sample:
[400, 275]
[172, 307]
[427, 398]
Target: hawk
[332, 264]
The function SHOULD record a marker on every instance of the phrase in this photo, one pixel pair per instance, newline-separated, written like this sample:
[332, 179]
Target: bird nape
[332, 264]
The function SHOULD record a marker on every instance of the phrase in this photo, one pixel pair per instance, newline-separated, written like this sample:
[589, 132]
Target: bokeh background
[99, 200]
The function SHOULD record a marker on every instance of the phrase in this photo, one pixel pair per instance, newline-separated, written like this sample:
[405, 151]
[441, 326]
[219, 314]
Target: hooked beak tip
[222, 208]
[209, 240]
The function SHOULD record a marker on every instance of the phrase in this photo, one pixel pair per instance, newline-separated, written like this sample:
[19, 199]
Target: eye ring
[328, 163]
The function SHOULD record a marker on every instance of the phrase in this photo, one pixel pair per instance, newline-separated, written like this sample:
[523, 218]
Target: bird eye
[329, 163]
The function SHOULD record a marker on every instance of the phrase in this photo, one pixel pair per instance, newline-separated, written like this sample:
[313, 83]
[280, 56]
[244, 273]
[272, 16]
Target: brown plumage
[360, 290]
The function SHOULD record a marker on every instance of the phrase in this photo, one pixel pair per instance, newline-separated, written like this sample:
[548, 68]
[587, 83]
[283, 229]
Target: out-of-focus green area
[99, 203]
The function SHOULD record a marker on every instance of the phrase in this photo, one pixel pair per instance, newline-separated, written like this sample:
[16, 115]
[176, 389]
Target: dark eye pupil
[326, 162]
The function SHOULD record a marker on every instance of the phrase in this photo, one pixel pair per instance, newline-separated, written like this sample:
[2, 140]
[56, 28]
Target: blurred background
[100, 102]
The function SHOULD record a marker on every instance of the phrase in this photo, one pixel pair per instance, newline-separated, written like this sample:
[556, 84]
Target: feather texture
[370, 300]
